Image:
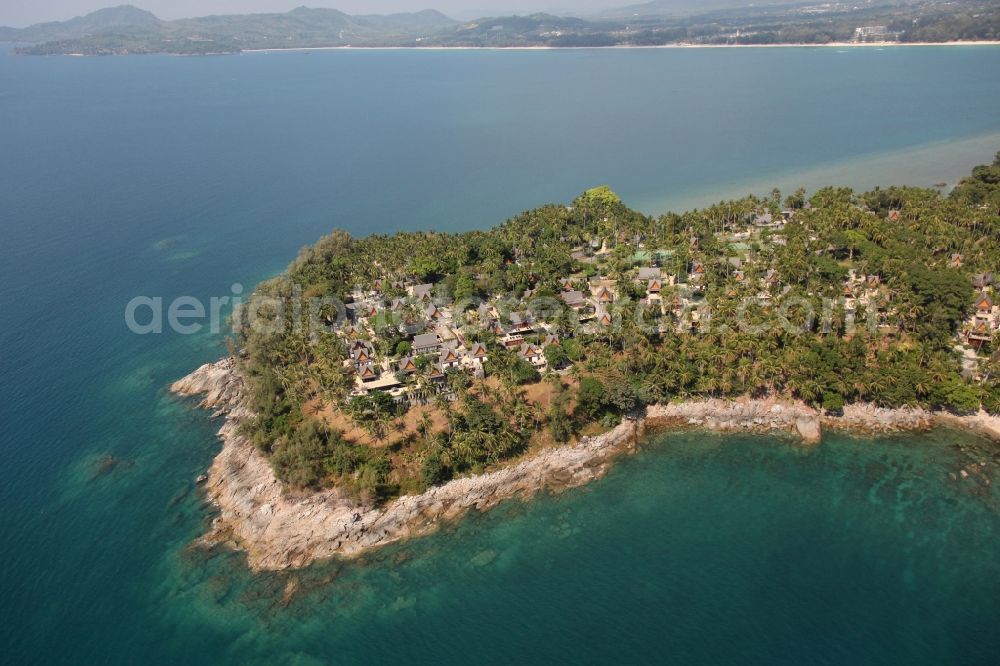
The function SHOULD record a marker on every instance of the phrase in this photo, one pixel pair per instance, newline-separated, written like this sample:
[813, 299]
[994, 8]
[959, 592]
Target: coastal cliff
[280, 529]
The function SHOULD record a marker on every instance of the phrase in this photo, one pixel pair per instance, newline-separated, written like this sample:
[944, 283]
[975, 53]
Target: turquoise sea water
[181, 176]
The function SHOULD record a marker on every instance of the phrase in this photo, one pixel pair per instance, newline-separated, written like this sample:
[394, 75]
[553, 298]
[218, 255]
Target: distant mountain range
[126, 29]
[124, 17]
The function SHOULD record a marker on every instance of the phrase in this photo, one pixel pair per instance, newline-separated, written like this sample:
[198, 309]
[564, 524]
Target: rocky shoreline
[280, 530]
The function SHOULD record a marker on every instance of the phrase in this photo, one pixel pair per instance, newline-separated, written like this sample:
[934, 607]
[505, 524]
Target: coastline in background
[794, 45]
[127, 30]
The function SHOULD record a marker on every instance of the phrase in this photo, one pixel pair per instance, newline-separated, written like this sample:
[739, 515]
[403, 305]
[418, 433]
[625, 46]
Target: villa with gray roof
[426, 343]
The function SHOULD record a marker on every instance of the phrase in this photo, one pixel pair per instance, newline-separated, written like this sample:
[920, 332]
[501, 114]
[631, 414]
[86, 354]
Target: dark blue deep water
[166, 176]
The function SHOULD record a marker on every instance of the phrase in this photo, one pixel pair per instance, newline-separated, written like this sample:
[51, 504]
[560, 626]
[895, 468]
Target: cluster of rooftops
[439, 339]
[442, 339]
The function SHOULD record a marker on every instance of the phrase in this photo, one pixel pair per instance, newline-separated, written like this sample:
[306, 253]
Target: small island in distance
[384, 384]
[128, 30]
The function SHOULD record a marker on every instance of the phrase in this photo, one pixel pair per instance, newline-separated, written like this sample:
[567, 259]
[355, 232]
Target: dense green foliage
[908, 237]
[982, 188]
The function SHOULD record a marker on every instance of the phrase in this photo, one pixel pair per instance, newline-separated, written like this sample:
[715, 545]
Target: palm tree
[424, 426]
[445, 407]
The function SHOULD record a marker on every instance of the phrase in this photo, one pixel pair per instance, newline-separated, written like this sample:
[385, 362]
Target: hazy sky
[19, 13]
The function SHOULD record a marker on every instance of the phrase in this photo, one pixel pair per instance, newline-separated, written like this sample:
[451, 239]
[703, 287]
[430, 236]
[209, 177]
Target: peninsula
[384, 384]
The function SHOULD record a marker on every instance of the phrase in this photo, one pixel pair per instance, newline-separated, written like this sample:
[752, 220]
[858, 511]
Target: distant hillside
[124, 17]
[682, 7]
[427, 18]
[533, 30]
[738, 22]
[125, 30]
[677, 8]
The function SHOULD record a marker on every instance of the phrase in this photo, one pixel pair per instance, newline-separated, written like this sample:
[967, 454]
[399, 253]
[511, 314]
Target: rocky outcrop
[868, 419]
[745, 415]
[279, 530]
[982, 422]
[808, 429]
[219, 383]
